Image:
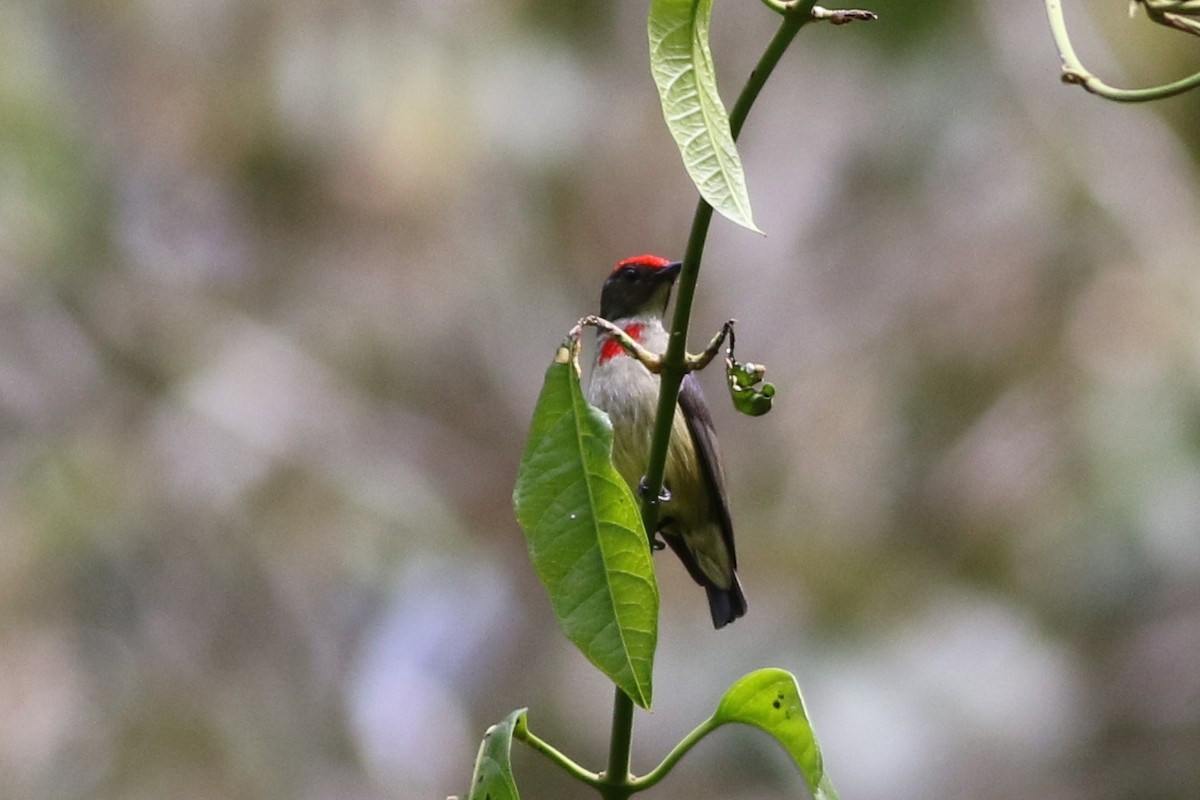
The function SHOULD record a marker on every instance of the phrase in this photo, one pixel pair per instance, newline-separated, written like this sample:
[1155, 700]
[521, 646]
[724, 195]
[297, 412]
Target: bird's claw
[664, 495]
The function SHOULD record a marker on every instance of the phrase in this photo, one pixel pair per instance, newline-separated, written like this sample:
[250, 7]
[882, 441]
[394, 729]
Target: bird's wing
[700, 424]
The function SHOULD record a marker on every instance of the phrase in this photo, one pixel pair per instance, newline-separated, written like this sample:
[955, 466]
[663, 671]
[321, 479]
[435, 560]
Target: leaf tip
[736, 215]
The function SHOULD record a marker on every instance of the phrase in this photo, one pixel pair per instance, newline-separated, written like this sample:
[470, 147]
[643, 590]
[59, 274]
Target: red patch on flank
[610, 348]
[657, 262]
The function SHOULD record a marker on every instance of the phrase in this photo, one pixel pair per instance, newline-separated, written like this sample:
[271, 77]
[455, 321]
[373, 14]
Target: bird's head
[638, 287]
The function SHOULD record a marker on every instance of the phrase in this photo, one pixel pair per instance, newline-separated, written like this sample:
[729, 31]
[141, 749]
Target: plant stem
[793, 21]
[523, 734]
[680, 750]
[673, 369]
[616, 783]
[1075, 72]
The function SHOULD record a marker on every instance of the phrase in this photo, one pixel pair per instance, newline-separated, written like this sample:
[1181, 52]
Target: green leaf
[682, 66]
[585, 534]
[770, 700]
[493, 778]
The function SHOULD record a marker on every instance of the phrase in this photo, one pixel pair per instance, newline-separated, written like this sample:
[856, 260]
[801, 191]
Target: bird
[694, 517]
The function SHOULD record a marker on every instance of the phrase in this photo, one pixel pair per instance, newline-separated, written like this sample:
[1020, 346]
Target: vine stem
[616, 783]
[679, 751]
[1075, 72]
[527, 736]
[673, 361]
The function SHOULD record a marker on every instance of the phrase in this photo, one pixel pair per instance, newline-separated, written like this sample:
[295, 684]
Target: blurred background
[278, 285]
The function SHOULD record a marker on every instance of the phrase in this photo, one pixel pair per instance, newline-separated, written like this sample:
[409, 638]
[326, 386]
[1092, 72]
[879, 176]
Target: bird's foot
[664, 496]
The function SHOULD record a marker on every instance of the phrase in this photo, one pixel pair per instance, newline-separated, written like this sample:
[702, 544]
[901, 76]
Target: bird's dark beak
[671, 271]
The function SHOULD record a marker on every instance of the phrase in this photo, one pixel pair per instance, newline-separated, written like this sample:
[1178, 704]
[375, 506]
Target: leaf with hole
[493, 778]
[769, 699]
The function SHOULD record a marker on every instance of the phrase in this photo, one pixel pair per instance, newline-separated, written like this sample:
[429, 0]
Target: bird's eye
[627, 273]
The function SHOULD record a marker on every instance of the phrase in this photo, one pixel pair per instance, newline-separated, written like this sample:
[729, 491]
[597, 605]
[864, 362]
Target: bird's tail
[726, 605]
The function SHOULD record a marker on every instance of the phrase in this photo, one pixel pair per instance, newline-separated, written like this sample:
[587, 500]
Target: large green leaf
[769, 699]
[493, 778]
[682, 65]
[585, 534]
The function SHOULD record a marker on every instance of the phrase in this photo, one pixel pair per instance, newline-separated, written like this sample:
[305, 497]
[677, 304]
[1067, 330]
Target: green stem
[523, 734]
[615, 783]
[672, 371]
[1075, 72]
[658, 773]
[793, 21]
